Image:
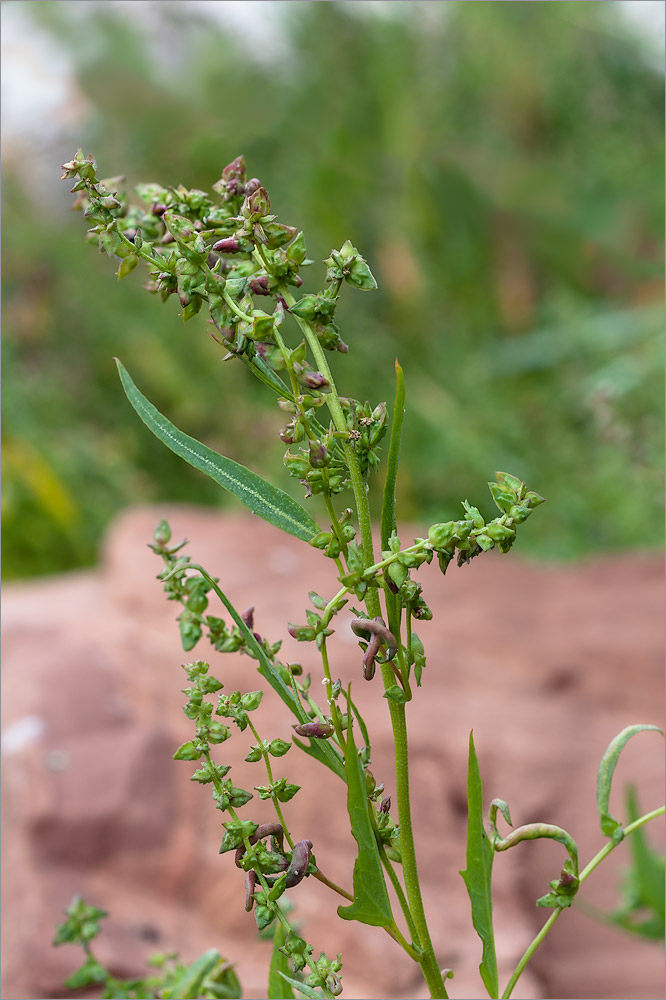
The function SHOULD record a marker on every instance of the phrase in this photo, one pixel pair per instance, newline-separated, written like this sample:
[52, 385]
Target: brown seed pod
[300, 859]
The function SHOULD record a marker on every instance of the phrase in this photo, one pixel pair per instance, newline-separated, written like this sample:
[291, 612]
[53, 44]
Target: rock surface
[546, 665]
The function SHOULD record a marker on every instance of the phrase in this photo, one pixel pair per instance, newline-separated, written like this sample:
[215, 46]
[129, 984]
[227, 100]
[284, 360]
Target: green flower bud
[319, 455]
[162, 533]
[302, 633]
[440, 535]
[179, 227]
[256, 205]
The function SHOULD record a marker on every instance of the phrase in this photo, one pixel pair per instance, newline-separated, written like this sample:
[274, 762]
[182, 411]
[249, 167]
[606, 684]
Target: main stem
[428, 960]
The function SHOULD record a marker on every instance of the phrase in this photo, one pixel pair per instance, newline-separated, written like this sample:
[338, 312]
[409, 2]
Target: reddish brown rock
[545, 664]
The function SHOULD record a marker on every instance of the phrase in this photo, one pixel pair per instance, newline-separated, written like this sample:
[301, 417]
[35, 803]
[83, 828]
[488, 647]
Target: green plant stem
[319, 875]
[428, 960]
[402, 941]
[395, 882]
[607, 849]
[269, 772]
[265, 886]
[357, 482]
[335, 527]
[335, 711]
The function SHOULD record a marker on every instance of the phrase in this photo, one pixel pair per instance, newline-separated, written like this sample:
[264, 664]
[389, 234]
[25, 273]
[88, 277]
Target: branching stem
[607, 849]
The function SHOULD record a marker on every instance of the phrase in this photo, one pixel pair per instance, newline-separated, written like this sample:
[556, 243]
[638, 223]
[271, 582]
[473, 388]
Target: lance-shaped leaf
[278, 973]
[642, 905]
[262, 498]
[188, 985]
[307, 991]
[371, 902]
[388, 521]
[477, 875]
[610, 826]
[319, 749]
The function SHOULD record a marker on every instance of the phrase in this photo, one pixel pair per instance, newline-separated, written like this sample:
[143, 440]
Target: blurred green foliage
[501, 168]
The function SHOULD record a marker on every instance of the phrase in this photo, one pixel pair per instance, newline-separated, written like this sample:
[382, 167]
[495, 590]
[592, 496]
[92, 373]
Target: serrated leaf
[610, 826]
[371, 902]
[278, 986]
[478, 873]
[259, 496]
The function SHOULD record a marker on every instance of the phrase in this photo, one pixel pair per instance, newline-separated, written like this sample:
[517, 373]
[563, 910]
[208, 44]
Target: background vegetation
[501, 168]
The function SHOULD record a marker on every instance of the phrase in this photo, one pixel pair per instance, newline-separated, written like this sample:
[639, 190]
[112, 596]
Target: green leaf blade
[262, 498]
[279, 987]
[371, 902]
[307, 991]
[319, 749]
[187, 986]
[610, 826]
[478, 873]
[388, 519]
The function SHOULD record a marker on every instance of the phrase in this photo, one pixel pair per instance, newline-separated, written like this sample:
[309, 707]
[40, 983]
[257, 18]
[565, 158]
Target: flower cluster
[230, 253]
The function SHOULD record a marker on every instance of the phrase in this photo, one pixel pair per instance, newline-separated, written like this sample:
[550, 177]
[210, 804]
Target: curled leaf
[610, 826]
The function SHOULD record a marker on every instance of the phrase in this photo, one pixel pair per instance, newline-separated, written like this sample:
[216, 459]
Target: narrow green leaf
[262, 498]
[388, 518]
[610, 826]
[371, 902]
[307, 991]
[261, 370]
[187, 986]
[319, 749]
[388, 522]
[648, 865]
[278, 981]
[477, 876]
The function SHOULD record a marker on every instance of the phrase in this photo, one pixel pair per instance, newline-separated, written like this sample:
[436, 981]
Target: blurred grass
[500, 166]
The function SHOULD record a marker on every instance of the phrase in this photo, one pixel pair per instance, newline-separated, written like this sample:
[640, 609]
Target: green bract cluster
[209, 976]
[226, 252]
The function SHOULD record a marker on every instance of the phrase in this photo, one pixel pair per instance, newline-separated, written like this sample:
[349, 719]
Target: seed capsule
[316, 730]
[300, 859]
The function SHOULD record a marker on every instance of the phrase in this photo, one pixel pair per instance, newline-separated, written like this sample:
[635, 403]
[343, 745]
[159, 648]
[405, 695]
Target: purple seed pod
[314, 380]
[250, 884]
[286, 434]
[259, 285]
[228, 245]
[248, 617]
[300, 859]
[380, 636]
[252, 185]
[317, 730]
[158, 210]
[265, 830]
[368, 662]
[297, 280]
[334, 985]
[234, 171]
[385, 805]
